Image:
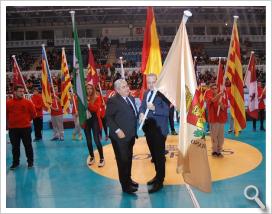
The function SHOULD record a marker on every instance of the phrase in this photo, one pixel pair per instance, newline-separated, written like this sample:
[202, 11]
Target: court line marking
[192, 196]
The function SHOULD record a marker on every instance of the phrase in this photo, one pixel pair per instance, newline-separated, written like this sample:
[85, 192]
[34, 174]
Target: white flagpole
[43, 46]
[15, 61]
[185, 17]
[122, 68]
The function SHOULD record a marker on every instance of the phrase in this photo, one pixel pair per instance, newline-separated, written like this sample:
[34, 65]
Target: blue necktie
[149, 98]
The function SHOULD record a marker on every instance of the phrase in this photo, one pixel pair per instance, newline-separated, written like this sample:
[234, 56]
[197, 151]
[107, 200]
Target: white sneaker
[101, 163]
[92, 161]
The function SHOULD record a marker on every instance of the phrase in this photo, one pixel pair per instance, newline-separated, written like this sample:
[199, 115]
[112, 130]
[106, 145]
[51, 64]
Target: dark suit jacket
[119, 115]
[161, 113]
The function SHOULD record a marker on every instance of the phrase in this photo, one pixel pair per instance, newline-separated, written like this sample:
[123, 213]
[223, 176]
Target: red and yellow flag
[235, 74]
[91, 73]
[151, 52]
[47, 89]
[65, 84]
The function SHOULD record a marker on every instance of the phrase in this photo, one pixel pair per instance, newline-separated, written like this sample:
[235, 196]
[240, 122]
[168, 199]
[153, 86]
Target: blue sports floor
[61, 179]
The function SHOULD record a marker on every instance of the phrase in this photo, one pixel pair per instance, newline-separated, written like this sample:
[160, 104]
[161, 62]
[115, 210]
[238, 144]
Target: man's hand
[121, 134]
[150, 106]
[141, 118]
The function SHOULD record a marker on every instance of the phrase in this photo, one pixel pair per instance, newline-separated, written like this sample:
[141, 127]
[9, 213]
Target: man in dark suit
[121, 116]
[156, 129]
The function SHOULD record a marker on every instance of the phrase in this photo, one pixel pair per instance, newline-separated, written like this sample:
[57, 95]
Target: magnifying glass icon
[254, 197]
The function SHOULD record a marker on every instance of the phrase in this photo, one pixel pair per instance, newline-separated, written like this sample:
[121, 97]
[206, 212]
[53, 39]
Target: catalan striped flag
[46, 82]
[151, 52]
[235, 74]
[91, 73]
[65, 84]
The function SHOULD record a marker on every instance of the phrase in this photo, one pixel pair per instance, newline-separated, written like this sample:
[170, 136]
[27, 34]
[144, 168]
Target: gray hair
[117, 83]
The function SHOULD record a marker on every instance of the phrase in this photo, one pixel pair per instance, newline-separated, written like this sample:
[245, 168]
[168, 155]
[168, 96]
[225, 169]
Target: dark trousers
[38, 126]
[104, 123]
[123, 154]
[171, 118]
[261, 116]
[16, 135]
[156, 144]
[92, 125]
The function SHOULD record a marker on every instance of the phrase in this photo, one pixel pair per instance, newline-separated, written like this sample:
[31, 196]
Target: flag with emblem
[91, 72]
[79, 79]
[251, 83]
[65, 84]
[234, 72]
[177, 82]
[17, 75]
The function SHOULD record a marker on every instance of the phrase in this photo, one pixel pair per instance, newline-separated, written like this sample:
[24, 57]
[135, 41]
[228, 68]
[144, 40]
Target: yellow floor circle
[238, 159]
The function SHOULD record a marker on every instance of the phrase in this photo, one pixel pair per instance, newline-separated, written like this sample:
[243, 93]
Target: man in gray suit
[156, 129]
[121, 116]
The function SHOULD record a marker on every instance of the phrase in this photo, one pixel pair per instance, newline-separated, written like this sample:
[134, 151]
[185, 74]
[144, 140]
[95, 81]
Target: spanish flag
[151, 52]
[235, 74]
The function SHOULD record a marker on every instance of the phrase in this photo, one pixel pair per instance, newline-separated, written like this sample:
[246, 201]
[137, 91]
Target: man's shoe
[214, 154]
[92, 161]
[254, 130]
[230, 131]
[262, 129]
[54, 138]
[101, 163]
[130, 189]
[174, 133]
[30, 165]
[220, 155]
[152, 181]
[134, 184]
[156, 187]
[13, 166]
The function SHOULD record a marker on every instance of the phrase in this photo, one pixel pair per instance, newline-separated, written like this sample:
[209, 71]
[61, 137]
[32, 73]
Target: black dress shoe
[156, 187]
[13, 166]
[130, 189]
[134, 184]
[152, 181]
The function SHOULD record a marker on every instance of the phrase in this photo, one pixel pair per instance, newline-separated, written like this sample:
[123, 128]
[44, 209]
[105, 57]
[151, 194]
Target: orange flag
[151, 52]
[235, 74]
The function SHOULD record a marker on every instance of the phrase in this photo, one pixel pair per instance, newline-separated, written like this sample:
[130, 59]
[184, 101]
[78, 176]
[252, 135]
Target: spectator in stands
[38, 120]
[57, 116]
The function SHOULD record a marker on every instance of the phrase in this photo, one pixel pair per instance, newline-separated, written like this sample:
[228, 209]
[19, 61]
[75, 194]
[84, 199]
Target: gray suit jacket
[119, 115]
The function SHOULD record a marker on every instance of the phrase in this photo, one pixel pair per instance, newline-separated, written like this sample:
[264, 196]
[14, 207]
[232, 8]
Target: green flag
[78, 73]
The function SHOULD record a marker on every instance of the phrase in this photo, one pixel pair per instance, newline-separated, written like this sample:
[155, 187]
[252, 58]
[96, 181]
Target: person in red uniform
[261, 97]
[215, 100]
[20, 112]
[57, 116]
[94, 124]
[38, 120]
[77, 129]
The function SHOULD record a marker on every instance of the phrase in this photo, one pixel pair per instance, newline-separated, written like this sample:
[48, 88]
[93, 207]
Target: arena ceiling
[125, 15]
